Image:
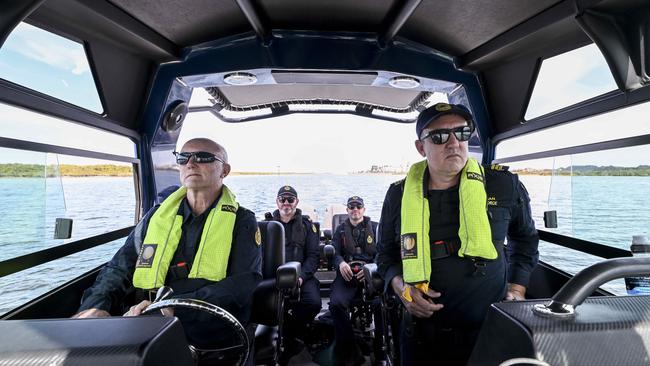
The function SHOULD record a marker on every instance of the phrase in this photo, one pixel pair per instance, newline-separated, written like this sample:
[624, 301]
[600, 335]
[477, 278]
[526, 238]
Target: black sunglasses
[441, 136]
[287, 199]
[200, 157]
[355, 205]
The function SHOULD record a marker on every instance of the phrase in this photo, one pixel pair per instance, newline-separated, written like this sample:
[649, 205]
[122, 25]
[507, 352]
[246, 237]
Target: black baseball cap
[438, 110]
[355, 199]
[287, 191]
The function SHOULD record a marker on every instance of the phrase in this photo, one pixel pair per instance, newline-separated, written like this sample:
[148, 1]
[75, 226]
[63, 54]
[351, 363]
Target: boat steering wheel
[215, 311]
[356, 266]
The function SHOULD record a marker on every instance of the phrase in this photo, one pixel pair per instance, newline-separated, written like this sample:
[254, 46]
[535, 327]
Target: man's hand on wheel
[136, 310]
[91, 313]
[346, 271]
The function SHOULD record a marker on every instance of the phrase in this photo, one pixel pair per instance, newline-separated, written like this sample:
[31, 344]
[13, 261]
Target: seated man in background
[301, 245]
[354, 240]
[198, 241]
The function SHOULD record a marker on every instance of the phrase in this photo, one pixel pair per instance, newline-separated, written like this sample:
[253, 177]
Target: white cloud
[570, 78]
[48, 48]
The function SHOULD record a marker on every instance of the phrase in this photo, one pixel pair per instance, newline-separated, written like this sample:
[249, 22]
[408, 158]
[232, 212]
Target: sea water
[606, 210]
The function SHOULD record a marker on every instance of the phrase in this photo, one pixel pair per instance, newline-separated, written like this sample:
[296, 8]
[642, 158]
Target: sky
[335, 143]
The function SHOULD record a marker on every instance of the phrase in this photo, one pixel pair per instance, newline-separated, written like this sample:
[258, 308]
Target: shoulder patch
[258, 237]
[399, 182]
[500, 168]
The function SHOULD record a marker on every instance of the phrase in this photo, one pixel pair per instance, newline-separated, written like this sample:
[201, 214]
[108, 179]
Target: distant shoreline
[108, 170]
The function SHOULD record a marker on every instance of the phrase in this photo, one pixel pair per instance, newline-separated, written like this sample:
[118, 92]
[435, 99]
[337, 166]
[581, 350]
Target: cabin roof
[500, 42]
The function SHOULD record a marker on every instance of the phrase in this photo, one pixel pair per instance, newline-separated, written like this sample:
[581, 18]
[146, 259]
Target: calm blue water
[607, 210]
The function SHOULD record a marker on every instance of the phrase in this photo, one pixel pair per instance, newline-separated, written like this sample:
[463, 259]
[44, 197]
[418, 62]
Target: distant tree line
[591, 170]
[66, 170]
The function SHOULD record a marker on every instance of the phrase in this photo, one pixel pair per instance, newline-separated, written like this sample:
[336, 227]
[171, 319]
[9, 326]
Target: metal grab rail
[583, 284]
[34, 259]
[585, 246]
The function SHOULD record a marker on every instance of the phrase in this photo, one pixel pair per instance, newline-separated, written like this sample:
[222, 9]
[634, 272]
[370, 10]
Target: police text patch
[409, 246]
[146, 255]
[229, 208]
[474, 176]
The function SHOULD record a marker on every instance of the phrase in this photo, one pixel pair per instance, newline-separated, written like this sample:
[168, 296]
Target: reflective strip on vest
[164, 233]
[414, 231]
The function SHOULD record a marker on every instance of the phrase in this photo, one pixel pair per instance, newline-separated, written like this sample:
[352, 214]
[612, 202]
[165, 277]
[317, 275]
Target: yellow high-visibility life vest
[164, 233]
[474, 232]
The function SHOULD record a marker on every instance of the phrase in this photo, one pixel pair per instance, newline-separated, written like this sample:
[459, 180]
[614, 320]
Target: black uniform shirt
[361, 241]
[309, 254]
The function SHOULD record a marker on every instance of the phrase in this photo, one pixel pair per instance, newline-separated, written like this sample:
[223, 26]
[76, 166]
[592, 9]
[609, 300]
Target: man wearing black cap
[441, 251]
[301, 245]
[354, 240]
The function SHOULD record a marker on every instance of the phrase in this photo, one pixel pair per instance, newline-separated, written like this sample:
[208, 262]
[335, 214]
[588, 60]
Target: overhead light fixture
[404, 82]
[240, 79]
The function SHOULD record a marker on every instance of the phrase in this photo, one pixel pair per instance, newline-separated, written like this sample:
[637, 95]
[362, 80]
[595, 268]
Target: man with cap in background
[441, 240]
[301, 245]
[354, 240]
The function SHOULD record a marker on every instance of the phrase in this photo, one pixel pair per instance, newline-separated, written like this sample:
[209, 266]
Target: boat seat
[279, 282]
[337, 220]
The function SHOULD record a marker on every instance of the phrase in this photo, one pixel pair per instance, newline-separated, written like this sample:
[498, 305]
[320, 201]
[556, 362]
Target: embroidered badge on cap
[287, 188]
[147, 253]
[409, 246]
[441, 107]
[229, 208]
[258, 237]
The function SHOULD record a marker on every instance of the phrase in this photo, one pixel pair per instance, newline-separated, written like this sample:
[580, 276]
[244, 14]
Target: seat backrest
[267, 300]
[337, 220]
[272, 247]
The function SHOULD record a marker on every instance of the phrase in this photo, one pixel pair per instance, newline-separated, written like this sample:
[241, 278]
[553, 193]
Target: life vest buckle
[479, 268]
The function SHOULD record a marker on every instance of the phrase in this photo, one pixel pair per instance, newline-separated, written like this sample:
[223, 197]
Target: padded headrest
[272, 247]
[337, 220]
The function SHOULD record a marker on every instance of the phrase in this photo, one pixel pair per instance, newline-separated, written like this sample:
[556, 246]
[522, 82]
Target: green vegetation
[66, 170]
[591, 170]
[21, 170]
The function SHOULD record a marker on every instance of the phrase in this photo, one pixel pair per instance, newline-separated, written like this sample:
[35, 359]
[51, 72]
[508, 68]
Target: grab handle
[583, 284]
